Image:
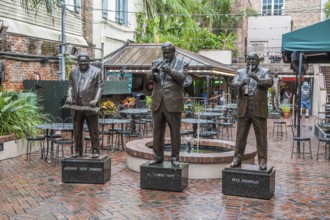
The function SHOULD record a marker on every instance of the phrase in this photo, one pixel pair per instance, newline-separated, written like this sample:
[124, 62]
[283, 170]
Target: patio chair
[60, 143]
[279, 126]
[323, 138]
[31, 141]
[301, 140]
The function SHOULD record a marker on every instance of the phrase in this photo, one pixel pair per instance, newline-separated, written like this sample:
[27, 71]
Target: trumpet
[246, 92]
[156, 70]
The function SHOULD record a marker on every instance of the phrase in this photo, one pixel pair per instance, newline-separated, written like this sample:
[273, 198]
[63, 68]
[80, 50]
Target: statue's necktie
[81, 84]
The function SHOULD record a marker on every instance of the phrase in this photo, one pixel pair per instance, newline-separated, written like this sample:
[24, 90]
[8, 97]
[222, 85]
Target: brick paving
[33, 190]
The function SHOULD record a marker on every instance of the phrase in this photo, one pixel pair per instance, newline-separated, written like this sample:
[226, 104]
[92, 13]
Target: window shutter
[117, 10]
[105, 9]
[125, 12]
[77, 6]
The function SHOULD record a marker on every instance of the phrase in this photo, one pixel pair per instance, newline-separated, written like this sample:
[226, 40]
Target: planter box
[13, 147]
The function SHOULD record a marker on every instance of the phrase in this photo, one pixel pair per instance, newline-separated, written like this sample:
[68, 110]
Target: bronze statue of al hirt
[85, 91]
[168, 75]
[252, 84]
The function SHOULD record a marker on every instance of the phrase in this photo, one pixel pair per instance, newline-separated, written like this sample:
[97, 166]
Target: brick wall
[87, 24]
[241, 31]
[19, 69]
[23, 68]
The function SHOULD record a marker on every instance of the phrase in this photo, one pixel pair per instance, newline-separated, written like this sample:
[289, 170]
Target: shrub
[20, 113]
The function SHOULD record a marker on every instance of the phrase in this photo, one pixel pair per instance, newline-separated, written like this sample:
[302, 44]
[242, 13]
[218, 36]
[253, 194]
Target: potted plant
[19, 115]
[286, 109]
[128, 102]
[108, 108]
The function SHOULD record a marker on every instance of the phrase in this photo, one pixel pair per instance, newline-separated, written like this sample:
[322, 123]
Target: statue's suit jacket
[260, 99]
[92, 89]
[169, 87]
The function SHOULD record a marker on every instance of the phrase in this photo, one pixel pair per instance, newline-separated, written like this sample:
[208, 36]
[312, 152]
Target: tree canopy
[34, 5]
[189, 24]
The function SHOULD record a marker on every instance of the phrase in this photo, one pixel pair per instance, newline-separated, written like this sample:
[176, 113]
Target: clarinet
[246, 92]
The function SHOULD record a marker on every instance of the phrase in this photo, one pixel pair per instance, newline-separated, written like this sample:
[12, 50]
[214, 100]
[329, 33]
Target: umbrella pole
[299, 98]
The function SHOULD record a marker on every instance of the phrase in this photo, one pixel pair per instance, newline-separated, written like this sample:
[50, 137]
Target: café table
[135, 112]
[113, 122]
[214, 109]
[209, 114]
[195, 122]
[49, 129]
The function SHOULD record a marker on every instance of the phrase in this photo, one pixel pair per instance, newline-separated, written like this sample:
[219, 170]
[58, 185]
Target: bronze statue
[252, 84]
[276, 91]
[168, 75]
[85, 89]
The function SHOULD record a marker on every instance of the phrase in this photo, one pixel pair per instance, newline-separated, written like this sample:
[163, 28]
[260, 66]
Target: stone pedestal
[164, 176]
[249, 181]
[86, 169]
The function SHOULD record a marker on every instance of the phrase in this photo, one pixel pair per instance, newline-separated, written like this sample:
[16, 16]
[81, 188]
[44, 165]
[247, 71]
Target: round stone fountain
[203, 164]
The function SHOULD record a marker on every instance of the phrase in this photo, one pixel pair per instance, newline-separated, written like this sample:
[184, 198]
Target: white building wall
[113, 34]
[269, 29]
[42, 25]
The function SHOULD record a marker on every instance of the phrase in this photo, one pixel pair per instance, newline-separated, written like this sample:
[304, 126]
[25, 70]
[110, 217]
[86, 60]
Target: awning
[137, 58]
[313, 41]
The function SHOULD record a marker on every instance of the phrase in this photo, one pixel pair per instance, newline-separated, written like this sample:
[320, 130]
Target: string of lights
[302, 10]
[223, 28]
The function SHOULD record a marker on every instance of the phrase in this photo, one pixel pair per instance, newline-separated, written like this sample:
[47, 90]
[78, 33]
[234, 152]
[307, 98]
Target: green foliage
[223, 41]
[197, 106]
[148, 101]
[34, 5]
[176, 21]
[68, 66]
[286, 108]
[19, 114]
[327, 9]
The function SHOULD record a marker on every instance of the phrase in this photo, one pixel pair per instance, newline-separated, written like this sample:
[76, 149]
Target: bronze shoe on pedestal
[95, 154]
[76, 154]
[236, 162]
[153, 162]
[175, 162]
[263, 164]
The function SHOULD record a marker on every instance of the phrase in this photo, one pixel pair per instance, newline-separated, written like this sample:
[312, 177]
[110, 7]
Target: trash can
[140, 99]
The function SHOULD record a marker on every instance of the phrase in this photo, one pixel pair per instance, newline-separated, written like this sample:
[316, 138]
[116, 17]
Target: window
[122, 12]
[73, 5]
[258, 46]
[105, 9]
[272, 7]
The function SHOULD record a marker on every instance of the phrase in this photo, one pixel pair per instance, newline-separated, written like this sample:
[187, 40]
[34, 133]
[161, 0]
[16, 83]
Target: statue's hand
[254, 76]
[167, 68]
[69, 101]
[93, 103]
[245, 82]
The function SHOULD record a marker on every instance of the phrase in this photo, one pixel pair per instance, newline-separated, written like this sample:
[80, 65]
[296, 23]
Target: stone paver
[33, 190]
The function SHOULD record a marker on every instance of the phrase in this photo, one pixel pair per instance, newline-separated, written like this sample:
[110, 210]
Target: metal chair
[278, 127]
[60, 143]
[226, 127]
[324, 138]
[31, 143]
[300, 140]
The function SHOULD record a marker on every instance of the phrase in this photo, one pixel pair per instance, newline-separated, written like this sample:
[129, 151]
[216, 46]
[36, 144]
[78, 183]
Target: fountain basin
[201, 165]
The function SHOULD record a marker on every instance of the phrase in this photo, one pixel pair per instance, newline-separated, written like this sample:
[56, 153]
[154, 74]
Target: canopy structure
[312, 45]
[137, 57]
[313, 41]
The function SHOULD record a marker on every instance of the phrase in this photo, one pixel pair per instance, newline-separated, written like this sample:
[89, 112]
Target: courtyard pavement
[33, 190]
